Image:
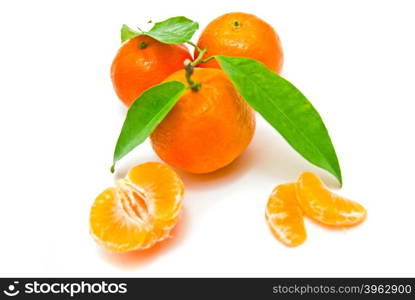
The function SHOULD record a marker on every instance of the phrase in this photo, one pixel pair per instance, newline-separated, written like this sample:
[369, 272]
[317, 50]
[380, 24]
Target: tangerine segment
[326, 207]
[284, 215]
[139, 211]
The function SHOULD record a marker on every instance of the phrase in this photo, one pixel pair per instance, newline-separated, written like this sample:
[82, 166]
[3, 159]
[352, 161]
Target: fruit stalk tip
[186, 62]
[142, 45]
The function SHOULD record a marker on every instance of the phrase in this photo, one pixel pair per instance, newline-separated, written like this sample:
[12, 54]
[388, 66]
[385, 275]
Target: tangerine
[206, 129]
[143, 62]
[140, 210]
[242, 35]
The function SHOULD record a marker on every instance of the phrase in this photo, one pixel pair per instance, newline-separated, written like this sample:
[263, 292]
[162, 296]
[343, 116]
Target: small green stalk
[199, 57]
[190, 65]
[189, 68]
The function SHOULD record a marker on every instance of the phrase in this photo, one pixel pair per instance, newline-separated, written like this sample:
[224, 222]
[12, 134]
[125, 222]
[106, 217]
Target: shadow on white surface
[220, 177]
[268, 157]
[274, 158]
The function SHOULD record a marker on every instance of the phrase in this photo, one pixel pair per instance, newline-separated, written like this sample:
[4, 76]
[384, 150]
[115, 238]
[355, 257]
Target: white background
[59, 117]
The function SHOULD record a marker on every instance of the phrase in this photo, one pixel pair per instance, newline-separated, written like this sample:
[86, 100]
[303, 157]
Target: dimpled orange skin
[134, 70]
[243, 35]
[207, 129]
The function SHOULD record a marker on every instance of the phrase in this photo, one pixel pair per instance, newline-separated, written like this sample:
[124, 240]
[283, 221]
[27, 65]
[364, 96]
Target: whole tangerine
[207, 129]
[242, 35]
[143, 62]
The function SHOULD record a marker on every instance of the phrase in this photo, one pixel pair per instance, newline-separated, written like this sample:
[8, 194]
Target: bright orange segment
[140, 210]
[325, 207]
[284, 216]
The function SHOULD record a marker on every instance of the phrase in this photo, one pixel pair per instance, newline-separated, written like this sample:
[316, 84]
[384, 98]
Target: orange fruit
[326, 207]
[139, 211]
[143, 62]
[243, 35]
[206, 129]
[284, 215]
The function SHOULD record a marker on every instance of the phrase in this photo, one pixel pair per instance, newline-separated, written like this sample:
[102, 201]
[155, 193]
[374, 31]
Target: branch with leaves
[277, 100]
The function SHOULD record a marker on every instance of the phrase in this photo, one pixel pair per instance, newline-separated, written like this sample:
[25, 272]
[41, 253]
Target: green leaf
[285, 108]
[145, 114]
[175, 30]
[127, 33]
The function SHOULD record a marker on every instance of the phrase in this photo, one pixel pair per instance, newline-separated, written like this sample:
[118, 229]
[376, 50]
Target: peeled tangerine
[140, 210]
[326, 207]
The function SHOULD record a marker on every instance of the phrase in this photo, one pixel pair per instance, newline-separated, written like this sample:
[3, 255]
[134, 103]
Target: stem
[189, 68]
[199, 57]
[141, 31]
[207, 59]
[194, 45]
